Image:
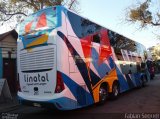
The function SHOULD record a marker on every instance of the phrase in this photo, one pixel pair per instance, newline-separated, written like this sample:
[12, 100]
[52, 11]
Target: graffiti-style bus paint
[68, 62]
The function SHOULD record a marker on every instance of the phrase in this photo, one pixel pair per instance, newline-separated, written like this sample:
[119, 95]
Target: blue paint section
[31, 38]
[83, 97]
[65, 103]
[130, 82]
[111, 62]
[102, 68]
[122, 81]
[62, 103]
[59, 16]
[1, 64]
[64, 10]
[133, 78]
[137, 79]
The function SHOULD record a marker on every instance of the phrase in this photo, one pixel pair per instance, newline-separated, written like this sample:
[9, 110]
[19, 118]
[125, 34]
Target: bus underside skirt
[62, 103]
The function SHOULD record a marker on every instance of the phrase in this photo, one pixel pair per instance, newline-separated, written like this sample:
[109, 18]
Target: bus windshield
[41, 20]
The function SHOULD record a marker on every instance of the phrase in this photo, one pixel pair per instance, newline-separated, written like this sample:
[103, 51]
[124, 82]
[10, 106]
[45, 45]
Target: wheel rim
[115, 90]
[103, 94]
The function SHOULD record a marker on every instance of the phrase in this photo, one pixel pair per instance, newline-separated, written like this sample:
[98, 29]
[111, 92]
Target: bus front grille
[37, 60]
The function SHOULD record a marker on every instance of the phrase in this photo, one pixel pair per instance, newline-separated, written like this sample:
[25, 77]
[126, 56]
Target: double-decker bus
[67, 61]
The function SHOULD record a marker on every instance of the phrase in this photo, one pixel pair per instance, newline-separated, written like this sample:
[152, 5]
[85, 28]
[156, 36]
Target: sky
[111, 14]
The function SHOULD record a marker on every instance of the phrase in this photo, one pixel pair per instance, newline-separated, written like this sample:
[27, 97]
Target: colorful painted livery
[68, 62]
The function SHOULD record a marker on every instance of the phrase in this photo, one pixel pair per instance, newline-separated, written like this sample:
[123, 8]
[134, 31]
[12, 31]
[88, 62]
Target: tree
[10, 9]
[145, 14]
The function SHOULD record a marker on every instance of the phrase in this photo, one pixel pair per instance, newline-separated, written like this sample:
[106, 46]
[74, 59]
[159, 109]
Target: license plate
[36, 104]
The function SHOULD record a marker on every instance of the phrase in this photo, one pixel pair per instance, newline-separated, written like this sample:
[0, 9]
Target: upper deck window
[41, 20]
[96, 38]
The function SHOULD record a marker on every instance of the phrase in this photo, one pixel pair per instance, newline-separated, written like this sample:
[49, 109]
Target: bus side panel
[90, 69]
[63, 66]
[79, 69]
[127, 59]
[66, 66]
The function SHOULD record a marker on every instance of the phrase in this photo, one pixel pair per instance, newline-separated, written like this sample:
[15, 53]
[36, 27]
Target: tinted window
[123, 45]
[96, 38]
[121, 42]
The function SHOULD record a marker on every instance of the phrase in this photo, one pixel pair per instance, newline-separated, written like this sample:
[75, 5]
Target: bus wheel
[115, 90]
[103, 93]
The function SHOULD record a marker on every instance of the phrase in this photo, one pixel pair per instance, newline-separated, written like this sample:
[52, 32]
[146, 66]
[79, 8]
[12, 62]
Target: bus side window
[96, 38]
